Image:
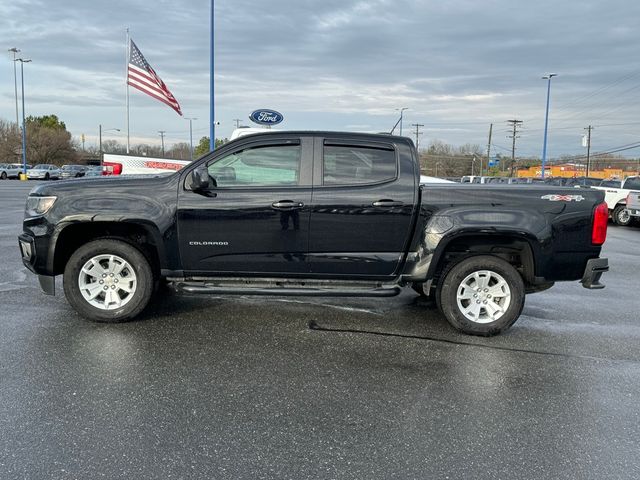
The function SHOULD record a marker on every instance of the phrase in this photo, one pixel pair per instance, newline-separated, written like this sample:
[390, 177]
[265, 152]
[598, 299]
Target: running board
[286, 288]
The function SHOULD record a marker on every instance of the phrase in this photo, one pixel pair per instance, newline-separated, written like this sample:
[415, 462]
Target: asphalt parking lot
[242, 387]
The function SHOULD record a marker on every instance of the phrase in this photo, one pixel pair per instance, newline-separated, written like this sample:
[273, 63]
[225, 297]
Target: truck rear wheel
[481, 295]
[621, 216]
[108, 280]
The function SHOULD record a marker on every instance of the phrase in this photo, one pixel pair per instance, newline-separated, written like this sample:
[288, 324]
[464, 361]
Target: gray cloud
[457, 65]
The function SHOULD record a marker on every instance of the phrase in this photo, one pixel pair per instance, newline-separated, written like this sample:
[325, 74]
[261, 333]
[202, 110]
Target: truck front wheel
[108, 280]
[481, 295]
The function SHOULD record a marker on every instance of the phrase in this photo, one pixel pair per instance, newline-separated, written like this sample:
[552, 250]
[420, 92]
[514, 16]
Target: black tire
[620, 216]
[46, 176]
[3, 176]
[452, 280]
[135, 258]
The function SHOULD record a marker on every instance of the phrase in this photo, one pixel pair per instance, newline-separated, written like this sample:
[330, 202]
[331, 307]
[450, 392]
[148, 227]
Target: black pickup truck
[312, 213]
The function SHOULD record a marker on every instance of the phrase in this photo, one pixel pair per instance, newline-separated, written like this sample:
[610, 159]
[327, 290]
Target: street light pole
[546, 121]
[15, 82]
[24, 126]
[191, 119]
[100, 135]
[212, 127]
[399, 122]
[401, 115]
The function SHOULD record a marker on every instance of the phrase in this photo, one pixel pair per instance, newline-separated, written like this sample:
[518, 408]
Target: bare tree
[179, 151]
[10, 145]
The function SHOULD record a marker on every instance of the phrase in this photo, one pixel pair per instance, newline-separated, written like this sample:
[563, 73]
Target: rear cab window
[353, 164]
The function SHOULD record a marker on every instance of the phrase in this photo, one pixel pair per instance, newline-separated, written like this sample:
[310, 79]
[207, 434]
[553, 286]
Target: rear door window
[358, 165]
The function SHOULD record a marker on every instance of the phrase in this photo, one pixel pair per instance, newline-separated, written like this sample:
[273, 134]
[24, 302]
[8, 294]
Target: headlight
[38, 205]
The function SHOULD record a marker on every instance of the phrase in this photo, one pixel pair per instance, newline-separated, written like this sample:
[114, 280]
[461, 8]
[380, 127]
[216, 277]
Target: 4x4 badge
[562, 198]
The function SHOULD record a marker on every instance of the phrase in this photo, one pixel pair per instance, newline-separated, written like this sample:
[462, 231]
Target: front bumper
[634, 212]
[28, 247]
[593, 271]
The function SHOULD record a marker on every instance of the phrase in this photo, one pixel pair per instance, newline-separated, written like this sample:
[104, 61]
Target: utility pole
[418, 132]
[237, 120]
[162, 132]
[488, 149]
[588, 129]
[515, 124]
[191, 119]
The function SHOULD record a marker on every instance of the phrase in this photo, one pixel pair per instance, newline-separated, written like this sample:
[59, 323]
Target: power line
[568, 106]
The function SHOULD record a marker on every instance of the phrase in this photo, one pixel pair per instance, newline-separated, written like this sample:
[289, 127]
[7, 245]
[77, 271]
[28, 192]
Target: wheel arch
[515, 249]
[140, 234]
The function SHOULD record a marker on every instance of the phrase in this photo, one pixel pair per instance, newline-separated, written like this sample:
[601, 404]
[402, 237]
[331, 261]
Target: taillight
[111, 168]
[600, 220]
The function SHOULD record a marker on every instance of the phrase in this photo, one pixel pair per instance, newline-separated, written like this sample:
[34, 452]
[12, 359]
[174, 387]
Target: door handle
[287, 205]
[387, 203]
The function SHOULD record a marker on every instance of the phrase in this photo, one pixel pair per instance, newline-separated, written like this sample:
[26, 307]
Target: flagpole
[212, 129]
[126, 82]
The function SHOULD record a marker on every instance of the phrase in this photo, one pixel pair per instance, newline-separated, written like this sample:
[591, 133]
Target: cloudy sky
[458, 65]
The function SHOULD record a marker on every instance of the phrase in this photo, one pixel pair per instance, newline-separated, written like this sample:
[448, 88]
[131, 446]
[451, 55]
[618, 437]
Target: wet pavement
[242, 387]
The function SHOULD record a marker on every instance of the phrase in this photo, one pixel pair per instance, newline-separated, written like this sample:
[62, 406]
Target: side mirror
[200, 179]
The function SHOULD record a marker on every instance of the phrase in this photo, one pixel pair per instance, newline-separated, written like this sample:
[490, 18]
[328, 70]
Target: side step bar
[285, 288]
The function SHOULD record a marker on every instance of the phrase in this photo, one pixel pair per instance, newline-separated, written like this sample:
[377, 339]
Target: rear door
[256, 220]
[363, 201]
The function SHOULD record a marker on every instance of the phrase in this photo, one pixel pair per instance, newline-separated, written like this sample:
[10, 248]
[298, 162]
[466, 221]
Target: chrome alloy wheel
[483, 296]
[107, 282]
[624, 217]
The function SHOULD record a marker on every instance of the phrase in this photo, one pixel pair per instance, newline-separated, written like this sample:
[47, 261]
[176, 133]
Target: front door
[255, 221]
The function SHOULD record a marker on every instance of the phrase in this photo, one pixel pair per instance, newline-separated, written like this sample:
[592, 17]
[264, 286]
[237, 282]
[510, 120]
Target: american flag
[140, 75]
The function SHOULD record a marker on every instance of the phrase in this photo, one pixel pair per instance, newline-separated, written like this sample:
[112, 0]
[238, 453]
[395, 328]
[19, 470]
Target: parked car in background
[522, 180]
[93, 171]
[583, 182]
[8, 170]
[633, 205]
[500, 180]
[610, 183]
[616, 199]
[474, 179]
[12, 170]
[73, 171]
[44, 171]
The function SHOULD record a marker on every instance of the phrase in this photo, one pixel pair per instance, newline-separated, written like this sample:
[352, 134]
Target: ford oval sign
[266, 117]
